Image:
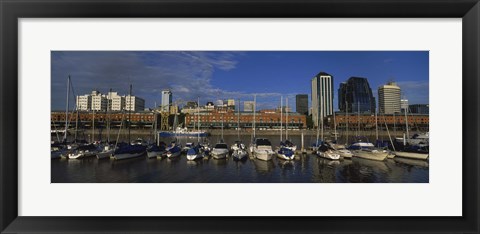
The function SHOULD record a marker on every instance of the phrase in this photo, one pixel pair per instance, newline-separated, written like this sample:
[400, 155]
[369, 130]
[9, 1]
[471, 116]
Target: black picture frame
[11, 11]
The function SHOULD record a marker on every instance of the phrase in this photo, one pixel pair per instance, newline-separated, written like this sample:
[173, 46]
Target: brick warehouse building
[138, 119]
[367, 121]
[268, 119]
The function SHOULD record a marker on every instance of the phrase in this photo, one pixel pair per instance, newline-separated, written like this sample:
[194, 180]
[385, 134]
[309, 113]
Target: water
[304, 169]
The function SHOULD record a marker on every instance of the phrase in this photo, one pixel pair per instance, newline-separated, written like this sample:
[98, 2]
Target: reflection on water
[304, 169]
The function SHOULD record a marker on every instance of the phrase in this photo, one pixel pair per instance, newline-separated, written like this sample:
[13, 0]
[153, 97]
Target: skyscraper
[389, 98]
[301, 103]
[166, 100]
[356, 95]
[322, 96]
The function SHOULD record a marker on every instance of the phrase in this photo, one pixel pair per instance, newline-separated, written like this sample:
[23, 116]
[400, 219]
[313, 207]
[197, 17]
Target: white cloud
[187, 74]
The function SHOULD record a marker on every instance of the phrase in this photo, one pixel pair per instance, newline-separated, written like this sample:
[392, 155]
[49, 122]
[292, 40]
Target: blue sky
[239, 75]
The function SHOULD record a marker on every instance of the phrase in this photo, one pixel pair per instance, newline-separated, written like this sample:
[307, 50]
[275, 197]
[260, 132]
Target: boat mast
[394, 127]
[93, 125]
[281, 118]
[334, 126]
[318, 126]
[238, 121]
[321, 117]
[358, 119]
[286, 119]
[376, 125]
[56, 131]
[76, 123]
[198, 120]
[386, 126]
[66, 110]
[346, 119]
[222, 125]
[155, 122]
[406, 126]
[129, 112]
[254, 110]
[108, 114]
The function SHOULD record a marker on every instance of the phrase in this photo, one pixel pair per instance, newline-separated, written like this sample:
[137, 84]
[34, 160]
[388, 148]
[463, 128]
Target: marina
[204, 136]
[304, 168]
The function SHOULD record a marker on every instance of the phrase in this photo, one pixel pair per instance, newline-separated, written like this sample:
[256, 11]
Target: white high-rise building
[117, 102]
[322, 97]
[166, 100]
[99, 101]
[389, 98]
[133, 103]
[84, 102]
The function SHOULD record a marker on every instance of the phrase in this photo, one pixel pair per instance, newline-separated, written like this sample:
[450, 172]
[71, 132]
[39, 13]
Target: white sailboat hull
[371, 155]
[264, 155]
[344, 153]
[79, 155]
[329, 155]
[219, 154]
[411, 155]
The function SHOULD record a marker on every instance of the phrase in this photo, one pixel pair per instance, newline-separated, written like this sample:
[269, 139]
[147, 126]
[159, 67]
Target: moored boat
[173, 150]
[240, 153]
[261, 148]
[155, 150]
[285, 153]
[129, 151]
[367, 150]
[106, 152]
[413, 152]
[325, 151]
[83, 151]
[194, 153]
[220, 151]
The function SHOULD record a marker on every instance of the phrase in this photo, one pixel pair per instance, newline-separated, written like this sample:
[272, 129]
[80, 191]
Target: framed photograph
[239, 116]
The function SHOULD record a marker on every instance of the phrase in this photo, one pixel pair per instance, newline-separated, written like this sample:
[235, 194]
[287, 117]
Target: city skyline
[234, 75]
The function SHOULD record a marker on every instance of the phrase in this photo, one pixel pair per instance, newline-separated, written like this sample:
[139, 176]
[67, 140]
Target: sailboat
[219, 151]
[260, 148]
[239, 150]
[287, 149]
[129, 150]
[364, 149]
[156, 148]
[416, 148]
[324, 150]
[287, 144]
[338, 148]
[196, 151]
[60, 149]
[108, 149]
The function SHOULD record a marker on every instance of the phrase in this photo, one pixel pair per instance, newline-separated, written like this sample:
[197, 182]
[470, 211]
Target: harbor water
[306, 168]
